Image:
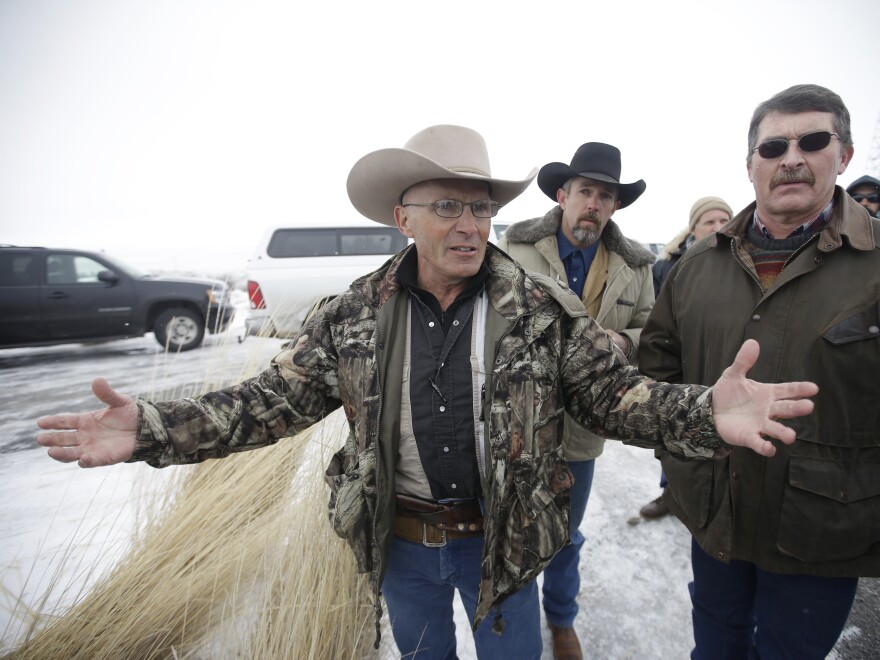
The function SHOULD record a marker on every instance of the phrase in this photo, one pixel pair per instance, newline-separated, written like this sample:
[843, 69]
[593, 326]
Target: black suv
[50, 296]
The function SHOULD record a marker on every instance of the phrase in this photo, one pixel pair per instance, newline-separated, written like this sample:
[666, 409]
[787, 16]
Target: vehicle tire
[179, 329]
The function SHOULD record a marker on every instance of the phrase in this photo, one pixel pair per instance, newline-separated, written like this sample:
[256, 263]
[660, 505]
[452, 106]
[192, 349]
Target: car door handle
[58, 294]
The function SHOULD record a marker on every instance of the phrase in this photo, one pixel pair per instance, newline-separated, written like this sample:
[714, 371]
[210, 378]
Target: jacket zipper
[744, 267]
[799, 250]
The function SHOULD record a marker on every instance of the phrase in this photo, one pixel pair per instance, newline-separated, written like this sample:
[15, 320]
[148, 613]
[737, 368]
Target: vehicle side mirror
[108, 276]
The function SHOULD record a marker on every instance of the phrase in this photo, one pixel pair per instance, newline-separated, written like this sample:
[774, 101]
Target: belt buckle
[427, 543]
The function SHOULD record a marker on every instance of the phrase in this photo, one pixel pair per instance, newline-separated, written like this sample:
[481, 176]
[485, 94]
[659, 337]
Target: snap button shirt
[441, 385]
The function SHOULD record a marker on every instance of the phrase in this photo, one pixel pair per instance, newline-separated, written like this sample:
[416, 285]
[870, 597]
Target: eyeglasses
[873, 198]
[776, 147]
[452, 208]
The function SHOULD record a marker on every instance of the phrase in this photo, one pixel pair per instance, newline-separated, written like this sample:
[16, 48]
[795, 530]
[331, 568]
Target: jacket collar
[532, 231]
[848, 219]
[511, 292]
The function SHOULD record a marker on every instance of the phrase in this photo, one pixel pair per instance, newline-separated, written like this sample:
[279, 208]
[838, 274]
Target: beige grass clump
[237, 561]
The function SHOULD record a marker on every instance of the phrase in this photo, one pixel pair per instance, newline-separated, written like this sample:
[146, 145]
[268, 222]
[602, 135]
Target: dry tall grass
[239, 561]
[236, 560]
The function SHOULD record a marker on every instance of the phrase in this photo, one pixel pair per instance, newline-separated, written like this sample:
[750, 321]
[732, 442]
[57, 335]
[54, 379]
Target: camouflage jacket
[543, 356]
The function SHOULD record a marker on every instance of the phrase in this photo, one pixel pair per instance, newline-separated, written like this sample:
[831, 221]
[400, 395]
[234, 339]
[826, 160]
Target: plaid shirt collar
[814, 225]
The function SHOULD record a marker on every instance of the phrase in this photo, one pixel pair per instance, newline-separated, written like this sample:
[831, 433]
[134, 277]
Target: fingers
[787, 409]
[62, 439]
[761, 446]
[745, 359]
[65, 454]
[101, 389]
[779, 431]
[75, 455]
[90, 461]
[59, 422]
[795, 390]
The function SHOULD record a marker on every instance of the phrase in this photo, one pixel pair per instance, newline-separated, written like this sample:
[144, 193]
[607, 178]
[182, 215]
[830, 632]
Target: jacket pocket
[864, 324]
[537, 522]
[831, 510]
[691, 487]
[847, 412]
[348, 508]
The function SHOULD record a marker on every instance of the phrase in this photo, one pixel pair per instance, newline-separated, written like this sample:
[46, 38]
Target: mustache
[592, 216]
[792, 176]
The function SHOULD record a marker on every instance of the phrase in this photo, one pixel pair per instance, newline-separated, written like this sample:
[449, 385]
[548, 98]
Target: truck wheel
[179, 329]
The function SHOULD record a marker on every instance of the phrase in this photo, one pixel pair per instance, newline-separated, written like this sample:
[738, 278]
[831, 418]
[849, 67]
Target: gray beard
[585, 235]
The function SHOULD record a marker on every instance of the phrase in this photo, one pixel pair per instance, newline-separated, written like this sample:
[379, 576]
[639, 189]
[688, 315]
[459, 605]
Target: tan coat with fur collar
[627, 297]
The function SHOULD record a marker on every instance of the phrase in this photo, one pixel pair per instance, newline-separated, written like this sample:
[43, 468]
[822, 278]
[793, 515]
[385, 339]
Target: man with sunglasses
[577, 242]
[866, 191]
[778, 546]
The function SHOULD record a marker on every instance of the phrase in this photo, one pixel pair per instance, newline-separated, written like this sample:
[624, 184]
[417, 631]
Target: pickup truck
[296, 269]
[56, 296]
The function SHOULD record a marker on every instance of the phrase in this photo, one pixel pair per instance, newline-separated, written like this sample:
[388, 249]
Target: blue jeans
[562, 579]
[419, 586]
[742, 611]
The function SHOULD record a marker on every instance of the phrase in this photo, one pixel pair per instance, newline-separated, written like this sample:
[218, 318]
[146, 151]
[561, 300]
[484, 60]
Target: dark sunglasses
[810, 142]
[873, 198]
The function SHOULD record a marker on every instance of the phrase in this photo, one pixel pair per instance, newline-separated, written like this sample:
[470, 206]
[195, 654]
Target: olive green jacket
[627, 297]
[814, 508]
[543, 355]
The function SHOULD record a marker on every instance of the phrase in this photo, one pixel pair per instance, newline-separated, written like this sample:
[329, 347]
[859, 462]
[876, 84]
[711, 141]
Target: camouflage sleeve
[297, 390]
[615, 401]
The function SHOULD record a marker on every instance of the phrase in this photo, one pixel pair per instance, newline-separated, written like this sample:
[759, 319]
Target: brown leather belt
[432, 523]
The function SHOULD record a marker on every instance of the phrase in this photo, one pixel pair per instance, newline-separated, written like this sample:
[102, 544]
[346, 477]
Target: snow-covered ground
[634, 600]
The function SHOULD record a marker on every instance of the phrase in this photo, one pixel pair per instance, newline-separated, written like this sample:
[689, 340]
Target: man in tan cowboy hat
[453, 366]
[579, 245]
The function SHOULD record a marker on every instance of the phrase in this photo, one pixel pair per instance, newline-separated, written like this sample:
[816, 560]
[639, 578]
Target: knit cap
[707, 204]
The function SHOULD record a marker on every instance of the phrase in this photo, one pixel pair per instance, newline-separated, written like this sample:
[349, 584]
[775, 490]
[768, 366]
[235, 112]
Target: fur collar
[531, 231]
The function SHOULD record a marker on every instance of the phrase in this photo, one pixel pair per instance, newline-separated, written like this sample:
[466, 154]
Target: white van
[295, 269]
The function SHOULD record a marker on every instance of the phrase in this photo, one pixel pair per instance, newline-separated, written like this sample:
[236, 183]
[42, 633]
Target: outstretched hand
[100, 437]
[745, 410]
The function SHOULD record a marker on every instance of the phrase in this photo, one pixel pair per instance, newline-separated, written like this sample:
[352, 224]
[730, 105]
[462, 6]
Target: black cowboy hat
[593, 160]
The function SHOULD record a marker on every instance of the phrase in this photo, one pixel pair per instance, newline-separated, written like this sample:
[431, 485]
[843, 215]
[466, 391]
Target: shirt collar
[813, 225]
[408, 275]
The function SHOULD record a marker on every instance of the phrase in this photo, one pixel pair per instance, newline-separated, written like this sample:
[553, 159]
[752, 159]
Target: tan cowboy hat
[379, 179]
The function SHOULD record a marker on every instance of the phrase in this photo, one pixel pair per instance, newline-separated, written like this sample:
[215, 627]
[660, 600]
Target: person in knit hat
[866, 191]
[708, 215]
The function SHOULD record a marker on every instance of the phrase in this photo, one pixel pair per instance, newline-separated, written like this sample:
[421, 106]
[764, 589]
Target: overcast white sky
[170, 127]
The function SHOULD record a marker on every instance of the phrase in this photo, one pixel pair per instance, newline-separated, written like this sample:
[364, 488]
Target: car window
[333, 242]
[72, 269]
[17, 269]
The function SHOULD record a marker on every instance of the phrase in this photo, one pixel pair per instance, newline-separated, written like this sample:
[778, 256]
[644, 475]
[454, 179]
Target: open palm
[93, 439]
[746, 411]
